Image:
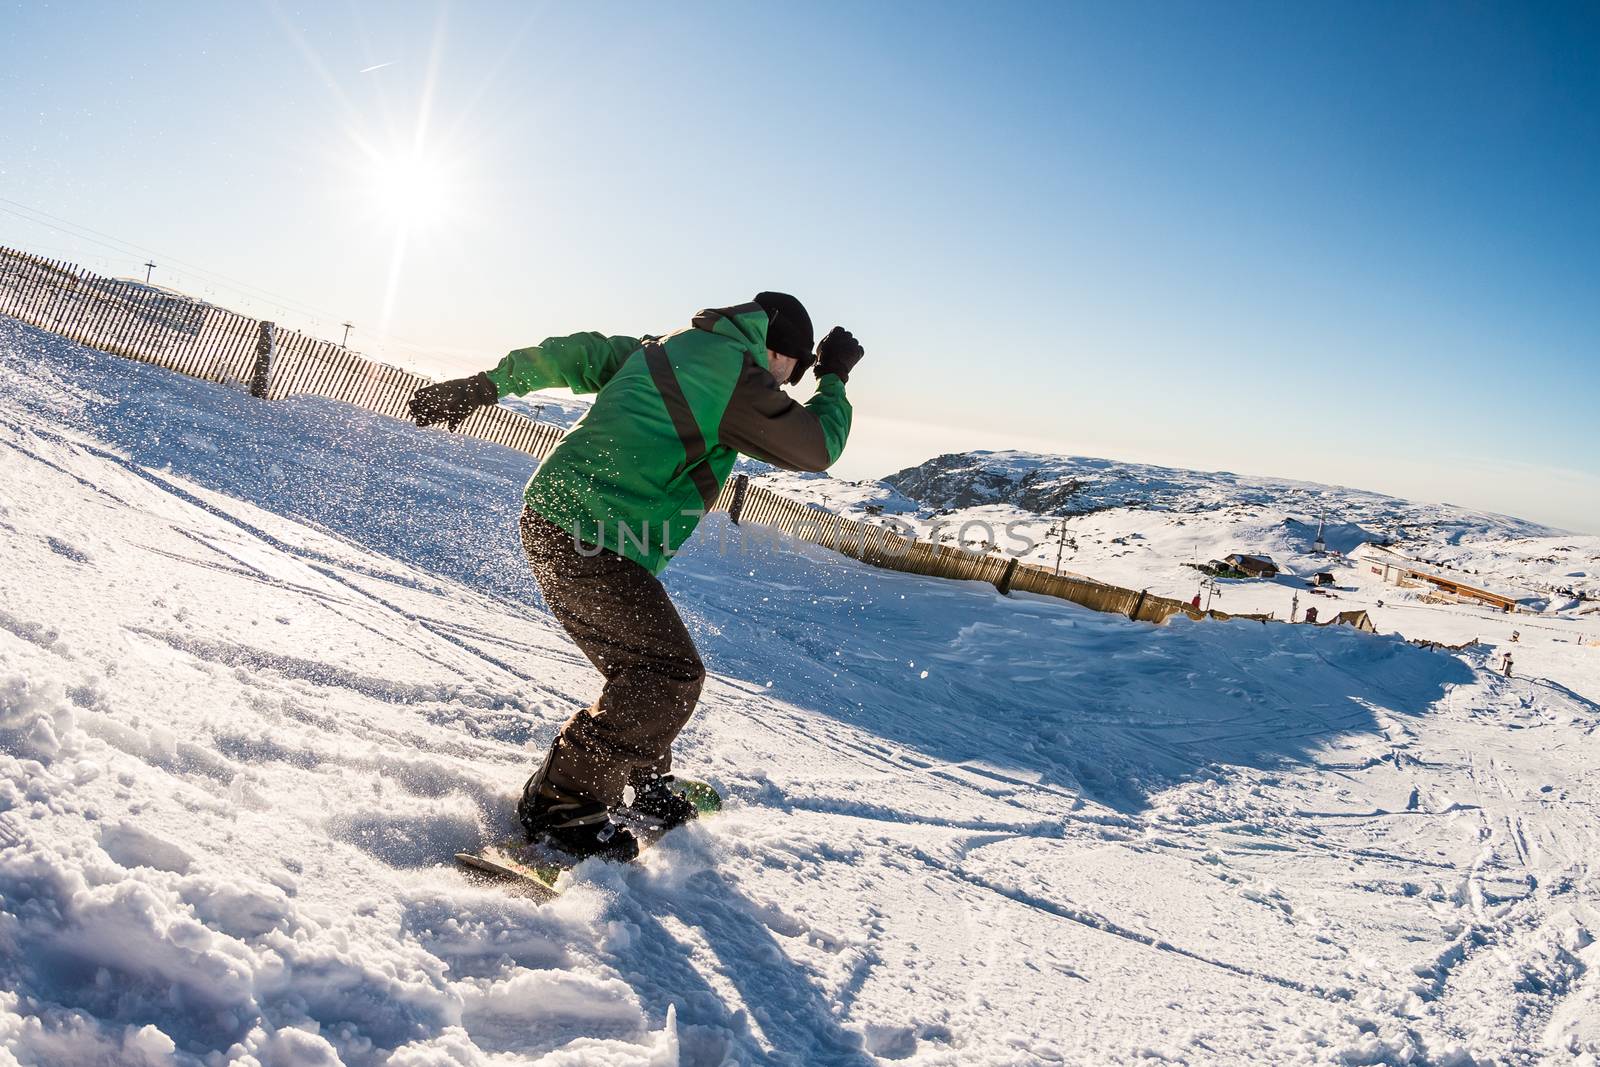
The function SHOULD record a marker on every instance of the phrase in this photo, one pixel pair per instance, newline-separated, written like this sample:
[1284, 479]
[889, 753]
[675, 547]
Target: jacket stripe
[694, 442]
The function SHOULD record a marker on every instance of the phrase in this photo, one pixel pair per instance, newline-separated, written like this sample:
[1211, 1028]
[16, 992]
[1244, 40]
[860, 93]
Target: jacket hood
[745, 323]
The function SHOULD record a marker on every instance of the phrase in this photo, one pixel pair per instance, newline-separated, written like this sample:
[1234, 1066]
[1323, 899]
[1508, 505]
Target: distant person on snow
[1195, 603]
[1508, 665]
[606, 512]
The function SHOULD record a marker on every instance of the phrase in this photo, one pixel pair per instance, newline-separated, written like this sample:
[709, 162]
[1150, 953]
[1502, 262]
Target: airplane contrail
[378, 66]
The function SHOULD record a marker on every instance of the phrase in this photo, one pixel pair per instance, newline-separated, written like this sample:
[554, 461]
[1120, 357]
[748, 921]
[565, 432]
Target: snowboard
[535, 868]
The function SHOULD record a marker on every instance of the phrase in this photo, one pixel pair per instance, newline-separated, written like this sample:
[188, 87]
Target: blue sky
[1356, 243]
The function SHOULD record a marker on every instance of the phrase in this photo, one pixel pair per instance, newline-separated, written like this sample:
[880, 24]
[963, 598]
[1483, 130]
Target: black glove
[837, 353]
[451, 402]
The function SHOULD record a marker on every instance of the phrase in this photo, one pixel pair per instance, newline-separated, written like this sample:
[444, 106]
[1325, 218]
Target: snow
[1145, 527]
[264, 667]
[557, 407]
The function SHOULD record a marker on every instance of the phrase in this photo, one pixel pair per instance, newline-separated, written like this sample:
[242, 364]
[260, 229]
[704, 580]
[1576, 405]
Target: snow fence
[154, 325]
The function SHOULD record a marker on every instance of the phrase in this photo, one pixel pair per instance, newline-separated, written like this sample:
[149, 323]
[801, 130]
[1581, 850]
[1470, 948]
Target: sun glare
[411, 190]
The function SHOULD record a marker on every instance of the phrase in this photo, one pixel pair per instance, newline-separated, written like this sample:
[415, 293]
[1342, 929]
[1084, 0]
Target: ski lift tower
[1319, 546]
[1061, 543]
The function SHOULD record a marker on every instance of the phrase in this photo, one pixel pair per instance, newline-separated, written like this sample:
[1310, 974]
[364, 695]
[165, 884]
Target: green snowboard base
[535, 868]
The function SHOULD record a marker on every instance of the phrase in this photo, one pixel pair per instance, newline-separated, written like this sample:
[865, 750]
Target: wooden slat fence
[142, 322]
[192, 337]
[884, 547]
[125, 318]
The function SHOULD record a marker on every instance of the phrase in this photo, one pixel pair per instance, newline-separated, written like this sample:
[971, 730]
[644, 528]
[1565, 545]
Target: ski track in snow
[263, 668]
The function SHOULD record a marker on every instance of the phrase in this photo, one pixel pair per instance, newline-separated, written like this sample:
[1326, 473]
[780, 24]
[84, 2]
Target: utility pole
[148, 267]
[345, 343]
[1061, 542]
[1320, 546]
[1294, 608]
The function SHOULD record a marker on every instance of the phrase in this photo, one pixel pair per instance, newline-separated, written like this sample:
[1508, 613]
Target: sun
[411, 190]
[409, 195]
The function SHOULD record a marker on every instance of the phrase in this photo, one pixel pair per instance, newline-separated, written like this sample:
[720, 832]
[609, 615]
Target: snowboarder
[1507, 665]
[606, 512]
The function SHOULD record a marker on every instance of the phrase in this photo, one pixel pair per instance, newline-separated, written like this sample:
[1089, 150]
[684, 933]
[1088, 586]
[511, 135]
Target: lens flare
[411, 190]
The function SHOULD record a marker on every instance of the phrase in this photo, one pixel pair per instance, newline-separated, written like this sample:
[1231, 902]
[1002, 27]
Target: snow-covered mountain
[265, 666]
[1078, 485]
[1145, 527]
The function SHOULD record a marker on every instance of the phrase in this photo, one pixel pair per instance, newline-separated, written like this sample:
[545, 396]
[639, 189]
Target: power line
[117, 244]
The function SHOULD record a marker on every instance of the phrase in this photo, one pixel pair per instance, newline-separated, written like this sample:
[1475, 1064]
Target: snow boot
[580, 829]
[658, 801]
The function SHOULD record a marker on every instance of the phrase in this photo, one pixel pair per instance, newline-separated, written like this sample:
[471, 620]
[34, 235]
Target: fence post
[263, 366]
[741, 485]
[1004, 582]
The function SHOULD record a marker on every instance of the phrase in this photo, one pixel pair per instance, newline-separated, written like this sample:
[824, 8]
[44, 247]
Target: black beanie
[788, 325]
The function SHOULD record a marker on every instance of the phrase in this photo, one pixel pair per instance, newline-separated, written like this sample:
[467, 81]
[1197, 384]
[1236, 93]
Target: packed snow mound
[264, 667]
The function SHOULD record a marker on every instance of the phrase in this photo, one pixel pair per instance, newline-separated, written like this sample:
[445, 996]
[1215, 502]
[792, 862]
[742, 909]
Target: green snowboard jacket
[647, 461]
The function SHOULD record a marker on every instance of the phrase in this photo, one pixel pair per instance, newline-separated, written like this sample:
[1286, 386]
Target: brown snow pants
[619, 614]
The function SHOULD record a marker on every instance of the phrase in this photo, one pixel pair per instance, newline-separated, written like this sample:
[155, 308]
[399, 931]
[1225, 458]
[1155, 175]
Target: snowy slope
[264, 667]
